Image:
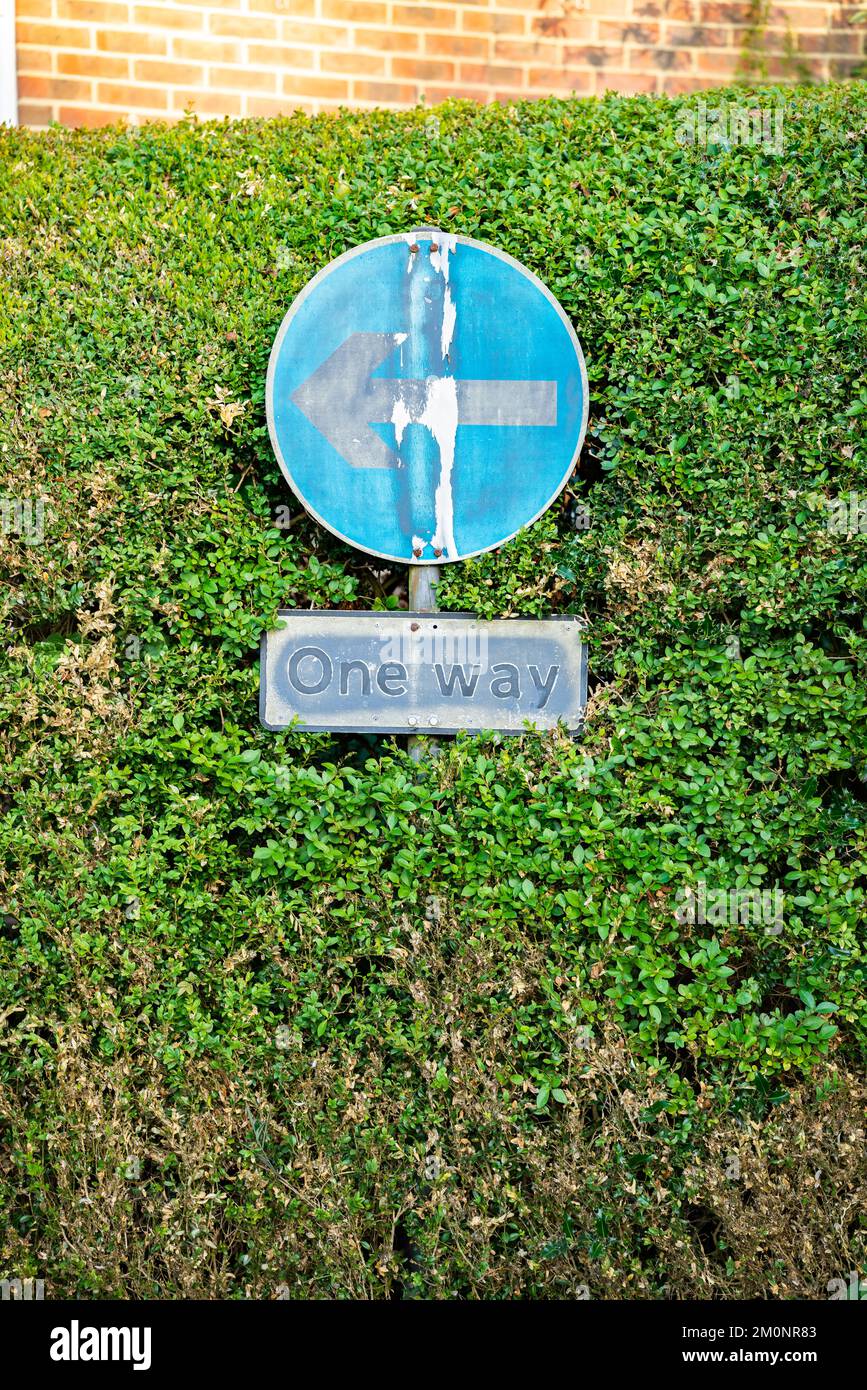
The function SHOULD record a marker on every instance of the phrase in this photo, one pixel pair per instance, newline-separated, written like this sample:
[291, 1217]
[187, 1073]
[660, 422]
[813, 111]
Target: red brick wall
[87, 62]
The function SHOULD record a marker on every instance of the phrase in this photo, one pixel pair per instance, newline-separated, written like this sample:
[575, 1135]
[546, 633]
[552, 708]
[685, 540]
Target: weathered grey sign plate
[408, 673]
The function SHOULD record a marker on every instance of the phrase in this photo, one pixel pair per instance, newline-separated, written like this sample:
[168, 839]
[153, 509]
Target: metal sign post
[422, 599]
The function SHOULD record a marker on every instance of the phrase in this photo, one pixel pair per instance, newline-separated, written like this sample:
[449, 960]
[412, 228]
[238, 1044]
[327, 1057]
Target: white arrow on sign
[341, 398]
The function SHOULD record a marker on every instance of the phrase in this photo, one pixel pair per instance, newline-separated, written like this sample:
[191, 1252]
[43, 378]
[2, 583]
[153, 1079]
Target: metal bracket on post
[423, 580]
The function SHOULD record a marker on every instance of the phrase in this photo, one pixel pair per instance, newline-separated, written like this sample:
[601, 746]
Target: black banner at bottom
[86, 1340]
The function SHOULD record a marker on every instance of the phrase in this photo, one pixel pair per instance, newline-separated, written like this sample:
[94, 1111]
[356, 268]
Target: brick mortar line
[531, 12]
[96, 103]
[280, 17]
[206, 87]
[420, 27]
[144, 85]
[478, 91]
[370, 51]
[549, 44]
[498, 61]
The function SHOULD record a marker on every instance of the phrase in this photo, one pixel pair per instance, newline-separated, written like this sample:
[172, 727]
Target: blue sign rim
[308, 289]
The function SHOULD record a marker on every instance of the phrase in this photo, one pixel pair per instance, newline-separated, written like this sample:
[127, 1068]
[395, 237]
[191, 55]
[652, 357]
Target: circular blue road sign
[426, 397]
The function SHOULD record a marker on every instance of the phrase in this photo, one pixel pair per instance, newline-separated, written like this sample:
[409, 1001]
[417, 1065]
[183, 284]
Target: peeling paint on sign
[425, 408]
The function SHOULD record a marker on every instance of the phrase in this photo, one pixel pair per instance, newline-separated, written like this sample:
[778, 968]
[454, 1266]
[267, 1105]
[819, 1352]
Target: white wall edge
[8, 67]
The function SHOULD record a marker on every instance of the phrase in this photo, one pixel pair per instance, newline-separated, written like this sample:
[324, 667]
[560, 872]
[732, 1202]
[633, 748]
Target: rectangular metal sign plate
[409, 673]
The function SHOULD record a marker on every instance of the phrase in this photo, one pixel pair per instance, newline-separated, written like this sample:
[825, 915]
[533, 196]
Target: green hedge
[280, 1010]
